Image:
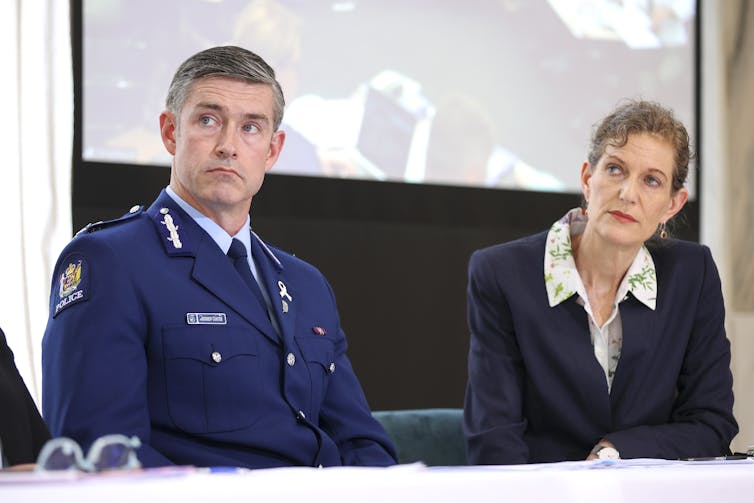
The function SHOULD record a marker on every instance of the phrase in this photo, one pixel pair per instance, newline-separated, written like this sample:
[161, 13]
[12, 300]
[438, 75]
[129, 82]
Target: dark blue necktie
[237, 253]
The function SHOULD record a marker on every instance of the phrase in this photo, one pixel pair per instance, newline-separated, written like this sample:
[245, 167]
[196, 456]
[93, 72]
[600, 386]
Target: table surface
[626, 480]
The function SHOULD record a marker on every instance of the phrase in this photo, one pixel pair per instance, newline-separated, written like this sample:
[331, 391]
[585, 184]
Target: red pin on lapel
[319, 330]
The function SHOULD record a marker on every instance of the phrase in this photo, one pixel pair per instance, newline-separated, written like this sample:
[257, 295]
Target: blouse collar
[562, 279]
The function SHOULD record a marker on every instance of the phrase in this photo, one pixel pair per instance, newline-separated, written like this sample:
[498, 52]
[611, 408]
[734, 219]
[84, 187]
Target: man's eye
[206, 120]
[251, 128]
[613, 169]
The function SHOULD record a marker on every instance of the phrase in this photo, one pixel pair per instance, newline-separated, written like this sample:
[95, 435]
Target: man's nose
[226, 144]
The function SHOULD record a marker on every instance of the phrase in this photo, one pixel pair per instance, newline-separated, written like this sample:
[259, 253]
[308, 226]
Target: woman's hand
[602, 443]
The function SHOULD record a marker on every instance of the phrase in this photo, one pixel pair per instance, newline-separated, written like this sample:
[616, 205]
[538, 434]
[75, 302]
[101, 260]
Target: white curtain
[36, 132]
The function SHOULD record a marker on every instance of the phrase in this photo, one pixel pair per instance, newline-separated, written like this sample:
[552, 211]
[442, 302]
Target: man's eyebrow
[220, 108]
[211, 106]
[614, 157]
[253, 116]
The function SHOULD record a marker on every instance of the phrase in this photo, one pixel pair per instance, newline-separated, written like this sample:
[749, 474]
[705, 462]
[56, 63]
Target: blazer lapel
[590, 376]
[638, 342]
[279, 287]
[214, 271]
[569, 359]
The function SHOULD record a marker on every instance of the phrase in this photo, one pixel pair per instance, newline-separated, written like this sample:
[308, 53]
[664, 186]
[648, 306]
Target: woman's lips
[622, 216]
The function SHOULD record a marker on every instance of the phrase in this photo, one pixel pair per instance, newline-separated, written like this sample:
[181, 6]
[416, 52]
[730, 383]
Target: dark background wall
[395, 254]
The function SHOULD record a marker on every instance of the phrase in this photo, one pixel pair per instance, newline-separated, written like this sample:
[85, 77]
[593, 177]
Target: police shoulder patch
[72, 282]
[95, 226]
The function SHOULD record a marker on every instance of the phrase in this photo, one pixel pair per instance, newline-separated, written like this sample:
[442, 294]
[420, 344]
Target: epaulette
[95, 226]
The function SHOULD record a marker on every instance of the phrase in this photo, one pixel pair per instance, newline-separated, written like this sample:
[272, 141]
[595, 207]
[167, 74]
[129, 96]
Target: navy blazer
[155, 334]
[22, 431]
[536, 392]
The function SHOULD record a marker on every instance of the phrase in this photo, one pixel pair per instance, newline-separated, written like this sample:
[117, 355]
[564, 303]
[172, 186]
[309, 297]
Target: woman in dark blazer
[22, 431]
[602, 337]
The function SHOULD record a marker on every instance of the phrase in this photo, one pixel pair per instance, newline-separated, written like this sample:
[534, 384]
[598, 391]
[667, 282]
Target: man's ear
[276, 145]
[168, 128]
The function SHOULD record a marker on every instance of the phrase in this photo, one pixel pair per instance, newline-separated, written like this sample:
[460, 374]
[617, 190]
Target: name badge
[206, 318]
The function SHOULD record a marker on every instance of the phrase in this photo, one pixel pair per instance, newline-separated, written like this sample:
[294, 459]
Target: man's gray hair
[228, 62]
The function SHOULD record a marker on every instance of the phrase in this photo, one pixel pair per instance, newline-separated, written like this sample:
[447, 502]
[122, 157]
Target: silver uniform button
[217, 357]
[134, 208]
[331, 367]
[164, 211]
[291, 359]
[300, 415]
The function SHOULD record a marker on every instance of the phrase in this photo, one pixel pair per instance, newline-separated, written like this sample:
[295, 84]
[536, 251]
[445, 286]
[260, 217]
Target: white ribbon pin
[284, 295]
[284, 291]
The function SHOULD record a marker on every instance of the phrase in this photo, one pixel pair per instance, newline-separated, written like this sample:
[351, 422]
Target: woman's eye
[653, 181]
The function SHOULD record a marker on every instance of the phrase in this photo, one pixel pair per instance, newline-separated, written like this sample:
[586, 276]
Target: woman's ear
[677, 201]
[586, 177]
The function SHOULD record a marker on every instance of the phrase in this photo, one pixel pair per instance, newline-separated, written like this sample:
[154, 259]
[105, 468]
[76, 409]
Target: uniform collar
[218, 234]
[562, 279]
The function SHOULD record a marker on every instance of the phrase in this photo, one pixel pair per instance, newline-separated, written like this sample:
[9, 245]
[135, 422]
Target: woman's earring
[663, 231]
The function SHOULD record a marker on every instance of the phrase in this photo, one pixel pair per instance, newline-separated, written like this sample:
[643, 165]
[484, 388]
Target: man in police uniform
[158, 327]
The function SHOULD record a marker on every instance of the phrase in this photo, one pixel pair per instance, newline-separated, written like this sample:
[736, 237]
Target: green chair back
[432, 436]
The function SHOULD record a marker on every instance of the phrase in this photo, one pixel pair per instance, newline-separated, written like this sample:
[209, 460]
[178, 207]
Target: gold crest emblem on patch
[70, 279]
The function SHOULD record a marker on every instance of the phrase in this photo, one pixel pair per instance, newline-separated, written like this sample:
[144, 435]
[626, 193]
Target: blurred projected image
[640, 24]
[487, 93]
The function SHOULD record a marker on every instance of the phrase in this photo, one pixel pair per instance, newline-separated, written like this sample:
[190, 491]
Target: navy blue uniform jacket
[157, 335]
[536, 392]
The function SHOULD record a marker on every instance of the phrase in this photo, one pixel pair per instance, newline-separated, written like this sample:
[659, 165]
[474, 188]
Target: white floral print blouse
[562, 281]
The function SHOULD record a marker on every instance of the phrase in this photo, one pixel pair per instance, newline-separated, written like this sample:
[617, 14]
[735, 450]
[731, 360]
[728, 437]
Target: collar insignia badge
[172, 229]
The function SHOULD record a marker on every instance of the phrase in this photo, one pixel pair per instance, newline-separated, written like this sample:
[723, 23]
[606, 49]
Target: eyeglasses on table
[109, 452]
